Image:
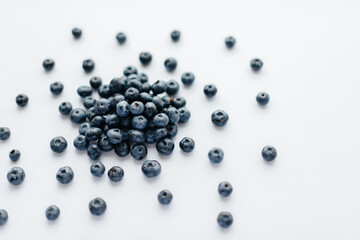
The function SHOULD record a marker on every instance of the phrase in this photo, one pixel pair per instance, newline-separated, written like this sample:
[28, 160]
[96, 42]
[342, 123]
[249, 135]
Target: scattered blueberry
[56, 88]
[187, 78]
[130, 70]
[93, 152]
[121, 37]
[89, 102]
[216, 155]
[3, 217]
[58, 144]
[170, 64]
[116, 174]
[97, 169]
[225, 189]
[225, 219]
[4, 133]
[184, 115]
[178, 102]
[122, 149]
[102, 106]
[14, 155]
[173, 115]
[172, 87]
[219, 118]
[88, 65]
[76, 32]
[22, 100]
[161, 120]
[95, 82]
[187, 144]
[172, 130]
[48, 64]
[132, 94]
[84, 91]
[158, 87]
[151, 168]
[104, 91]
[139, 122]
[16, 176]
[137, 108]
[105, 144]
[93, 134]
[77, 115]
[269, 153]
[230, 42]
[256, 64]
[65, 175]
[262, 98]
[165, 197]
[115, 136]
[52, 213]
[139, 151]
[165, 146]
[98, 122]
[80, 143]
[145, 58]
[97, 206]
[65, 108]
[210, 90]
[175, 35]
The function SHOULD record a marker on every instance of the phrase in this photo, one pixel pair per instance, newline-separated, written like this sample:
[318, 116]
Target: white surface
[311, 71]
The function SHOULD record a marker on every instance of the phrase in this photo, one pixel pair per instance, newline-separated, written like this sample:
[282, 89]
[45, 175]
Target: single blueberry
[160, 133]
[143, 78]
[175, 35]
[151, 168]
[225, 219]
[145, 58]
[187, 78]
[58, 144]
[98, 122]
[115, 135]
[104, 91]
[84, 91]
[123, 109]
[16, 176]
[22, 100]
[95, 82]
[93, 152]
[83, 128]
[170, 64]
[52, 212]
[178, 102]
[150, 136]
[136, 136]
[225, 189]
[187, 144]
[65, 108]
[137, 108]
[112, 121]
[93, 134]
[161, 120]
[89, 102]
[210, 90]
[14, 155]
[145, 87]
[165, 197]
[56, 88]
[145, 97]
[77, 115]
[216, 155]
[102, 106]
[256, 64]
[139, 151]
[135, 83]
[122, 149]
[173, 115]
[117, 85]
[114, 100]
[65, 175]
[76, 32]
[139, 122]
[158, 87]
[130, 70]
[121, 37]
[263, 98]
[150, 109]
[90, 113]
[88, 65]
[80, 142]
[3, 217]
[97, 169]
[132, 94]
[172, 130]
[105, 144]
[159, 103]
[165, 146]
[116, 174]
[166, 101]
[4, 133]
[230, 42]
[269, 153]
[219, 118]
[184, 115]
[48, 64]
[172, 87]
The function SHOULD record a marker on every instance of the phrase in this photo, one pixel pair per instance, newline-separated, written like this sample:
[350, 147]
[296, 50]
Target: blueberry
[170, 64]
[269, 153]
[136, 136]
[93, 152]
[187, 144]
[132, 94]
[137, 108]
[3, 217]
[178, 102]
[77, 115]
[130, 70]
[160, 133]
[150, 136]
[210, 90]
[90, 113]
[145, 87]
[97, 169]
[116, 174]
[143, 78]
[22, 100]
[65, 108]
[93, 134]
[117, 85]
[65, 175]
[165, 197]
[125, 122]
[187, 78]
[4, 133]
[139, 151]
[173, 115]
[80, 142]
[98, 122]
[48, 64]
[102, 106]
[145, 97]
[95, 82]
[135, 83]
[104, 91]
[83, 128]
[172, 87]
[225, 189]
[16, 176]
[114, 100]
[52, 212]
[172, 130]
[161, 120]
[216, 155]
[105, 144]
[123, 109]
[76, 32]
[184, 115]
[145, 58]
[159, 103]
[115, 135]
[175, 35]
[150, 109]
[89, 102]
[230, 42]
[225, 219]
[262, 98]
[219, 118]
[84, 91]
[58, 144]
[88, 65]
[97, 206]
[112, 121]
[256, 64]
[56, 88]
[122, 149]
[167, 101]
[151, 168]
[121, 37]
[158, 87]
[165, 146]
[139, 122]
[14, 155]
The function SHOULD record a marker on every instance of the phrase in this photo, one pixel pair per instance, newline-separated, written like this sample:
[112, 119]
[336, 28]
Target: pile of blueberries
[129, 114]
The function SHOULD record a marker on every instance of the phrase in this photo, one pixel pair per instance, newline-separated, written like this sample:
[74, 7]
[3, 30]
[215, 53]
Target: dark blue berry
[102, 106]
[165, 197]
[80, 142]
[89, 102]
[172, 130]
[219, 118]
[136, 136]
[97, 169]
[84, 91]
[65, 108]
[175, 35]
[95, 82]
[122, 149]
[117, 85]
[48, 64]
[105, 144]
[58, 144]
[115, 135]
[125, 122]
[3, 217]
[262, 98]
[14, 155]
[150, 109]
[130, 70]
[22, 100]
[184, 115]
[145, 58]
[230, 42]
[104, 91]
[123, 109]
[90, 113]
[65, 175]
[170, 64]
[172, 87]
[52, 212]
[16, 176]
[121, 37]
[210, 90]
[145, 87]
[178, 102]
[151, 168]
[159, 103]
[256, 64]
[161, 120]
[216, 155]
[98, 122]
[112, 121]
[56, 88]
[4, 133]
[158, 87]
[76, 32]
[173, 115]
[116, 174]
[150, 136]
[145, 97]
[143, 78]
[83, 128]
[269, 153]
[88, 65]
[139, 122]
[132, 94]
[137, 108]
[166, 101]
[93, 134]
[93, 152]
[77, 115]
[225, 189]
[135, 83]
[97, 206]
[160, 133]
[165, 146]
[225, 219]
[187, 144]
[114, 100]
[139, 151]
[187, 78]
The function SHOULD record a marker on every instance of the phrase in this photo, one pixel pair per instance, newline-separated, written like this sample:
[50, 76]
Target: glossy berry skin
[143, 78]
[14, 155]
[123, 109]
[225, 189]
[65, 108]
[184, 115]
[84, 91]
[269, 153]
[52, 213]
[3, 217]
[165, 197]
[225, 219]
[65, 175]
[187, 78]
[97, 206]
[16, 176]
[145, 87]
[139, 122]
[210, 90]
[139, 151]
[172, 87]
[151, 168]
[89, 102]
[150, 136]
[93, 134]
[102, 106]
[178, 102]
[145, 58]
[76, 32]
[216, 155]
[132, 94]
[150, 109]
[112, 121]
[121, 37]
[80, 143]
[219, 118]
[104, 91]
[137, 108]
[172, 130]
[262, 98]
[77, 115]
[95, 82]
[173, 115]
[230, 42]
[160, 133]
[145, 97]
[97, 169]
[58, 144]
[88, 65]
[48, 64]
[161, 120]
[116, 174]
[105, 144]
[187, 144]
[158, 87]
[165, 146]
[4, 133]
[115, 136]
[90, 113]
[114, 100]
[122, 149]
[118, 85]
[136, 136]
[175, 35]
[170, 64]
[159, 103]
[256, 64]
[93, 152]
[130, 70]
[22, 100]
[98, 122]
[56, 88]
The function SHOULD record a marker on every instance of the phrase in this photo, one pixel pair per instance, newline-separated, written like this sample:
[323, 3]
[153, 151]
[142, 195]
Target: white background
[311, 70]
